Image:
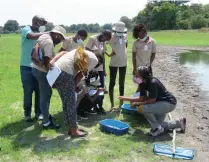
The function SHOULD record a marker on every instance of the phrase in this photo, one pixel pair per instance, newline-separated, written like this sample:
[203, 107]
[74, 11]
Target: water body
[198, 61]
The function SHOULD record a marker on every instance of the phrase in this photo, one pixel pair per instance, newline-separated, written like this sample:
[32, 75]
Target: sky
[69, 12]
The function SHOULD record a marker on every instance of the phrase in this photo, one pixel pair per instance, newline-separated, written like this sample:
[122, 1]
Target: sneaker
[40, 117]
[92, 111]
[82, 115]
[183, 125]
[158, 131]
[150, 132]
[51, 126]
[28, 119]
[101, 111]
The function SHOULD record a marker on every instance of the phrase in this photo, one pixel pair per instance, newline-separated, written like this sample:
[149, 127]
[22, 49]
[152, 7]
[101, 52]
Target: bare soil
[192, 101]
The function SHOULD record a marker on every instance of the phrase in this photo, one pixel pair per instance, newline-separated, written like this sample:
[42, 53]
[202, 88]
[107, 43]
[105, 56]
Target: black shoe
[51, 126]
[79, 118]
[51, 118]
[105, 92]
[101, 111]
[28, 119]
[92, 111]
[82, 115]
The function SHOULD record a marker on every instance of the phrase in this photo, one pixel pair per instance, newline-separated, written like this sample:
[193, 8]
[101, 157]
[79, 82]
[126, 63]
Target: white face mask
[42, 29]
[119, 34]
[80, 42]
[144, 39]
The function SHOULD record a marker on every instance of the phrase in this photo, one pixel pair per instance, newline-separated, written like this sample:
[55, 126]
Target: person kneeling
[156, 105]
[90, 96]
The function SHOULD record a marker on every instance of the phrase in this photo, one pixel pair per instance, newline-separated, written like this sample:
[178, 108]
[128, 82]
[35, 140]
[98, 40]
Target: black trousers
[86, 105]
[113, 75]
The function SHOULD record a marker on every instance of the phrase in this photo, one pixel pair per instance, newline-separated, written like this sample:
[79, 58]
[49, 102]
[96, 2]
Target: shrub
[198, 22]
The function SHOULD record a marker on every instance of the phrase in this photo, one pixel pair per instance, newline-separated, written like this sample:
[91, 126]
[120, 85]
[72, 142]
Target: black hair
[144, 72]
[139, 28]
[107, 33]
[82, 33]
[39, 19]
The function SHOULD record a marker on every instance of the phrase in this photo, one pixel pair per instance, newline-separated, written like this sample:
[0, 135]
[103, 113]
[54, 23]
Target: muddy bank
[191, 99]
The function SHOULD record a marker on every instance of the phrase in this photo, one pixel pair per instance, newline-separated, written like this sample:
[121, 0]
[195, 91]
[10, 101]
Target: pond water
[198, 61]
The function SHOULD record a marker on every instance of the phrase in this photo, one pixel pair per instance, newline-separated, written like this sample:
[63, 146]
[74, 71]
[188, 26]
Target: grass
[21, 142]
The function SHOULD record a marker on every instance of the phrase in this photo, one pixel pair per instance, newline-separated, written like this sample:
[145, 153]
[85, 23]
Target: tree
[127, 21]
[49, 26]
[107, 27]
[1, 29]
[196, 8]
[198, 22]
[94, 28]
[11, 26]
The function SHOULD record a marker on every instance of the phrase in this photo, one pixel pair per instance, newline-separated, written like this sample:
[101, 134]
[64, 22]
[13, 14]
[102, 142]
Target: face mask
[137, 80]
[80, 42]
[144, 39]
[119, 34]
[42, 28]
[57, 41]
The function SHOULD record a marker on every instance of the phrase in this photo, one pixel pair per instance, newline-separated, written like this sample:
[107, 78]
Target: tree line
[12, 26]
[169, 15]
[157, 15]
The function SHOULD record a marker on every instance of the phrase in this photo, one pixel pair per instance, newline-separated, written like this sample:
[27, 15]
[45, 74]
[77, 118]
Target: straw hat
[119, 27]
[59, 30]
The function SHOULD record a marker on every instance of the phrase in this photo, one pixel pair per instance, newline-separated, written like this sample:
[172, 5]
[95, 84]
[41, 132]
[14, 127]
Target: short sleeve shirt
[118, 45]
[96, 46]
[144, 51]
[156, 90]
[67, 61]
[26, 47]
[69, 44]
[47, 47]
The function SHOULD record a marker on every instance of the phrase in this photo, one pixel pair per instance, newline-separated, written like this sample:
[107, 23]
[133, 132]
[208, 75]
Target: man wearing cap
[119, 44]
[46, 43]
[73, 42]
[29, 36]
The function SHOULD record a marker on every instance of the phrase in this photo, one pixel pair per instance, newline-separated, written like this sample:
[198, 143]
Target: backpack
[37, 55]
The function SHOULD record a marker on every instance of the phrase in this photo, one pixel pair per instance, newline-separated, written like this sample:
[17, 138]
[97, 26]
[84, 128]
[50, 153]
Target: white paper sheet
[92, 92]
[53, 74]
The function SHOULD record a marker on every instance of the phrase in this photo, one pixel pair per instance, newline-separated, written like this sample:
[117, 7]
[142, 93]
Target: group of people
[81, 84]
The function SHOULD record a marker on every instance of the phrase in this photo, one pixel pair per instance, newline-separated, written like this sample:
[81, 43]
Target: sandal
[85, 133]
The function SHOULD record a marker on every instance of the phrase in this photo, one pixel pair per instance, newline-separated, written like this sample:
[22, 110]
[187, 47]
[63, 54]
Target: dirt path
[191, 100]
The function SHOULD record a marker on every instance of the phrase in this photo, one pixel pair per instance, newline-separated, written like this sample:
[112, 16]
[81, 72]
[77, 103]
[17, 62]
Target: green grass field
[20, 141]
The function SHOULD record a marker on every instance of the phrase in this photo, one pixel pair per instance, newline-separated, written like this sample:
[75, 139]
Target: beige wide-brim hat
[119, 27]
[59, 30]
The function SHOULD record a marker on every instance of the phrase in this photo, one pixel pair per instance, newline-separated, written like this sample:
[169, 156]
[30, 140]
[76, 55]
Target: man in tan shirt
[144, 48]
[71, 43]
[46, 45]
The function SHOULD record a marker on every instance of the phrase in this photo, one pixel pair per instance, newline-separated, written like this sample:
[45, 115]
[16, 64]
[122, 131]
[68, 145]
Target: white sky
[69, 12]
